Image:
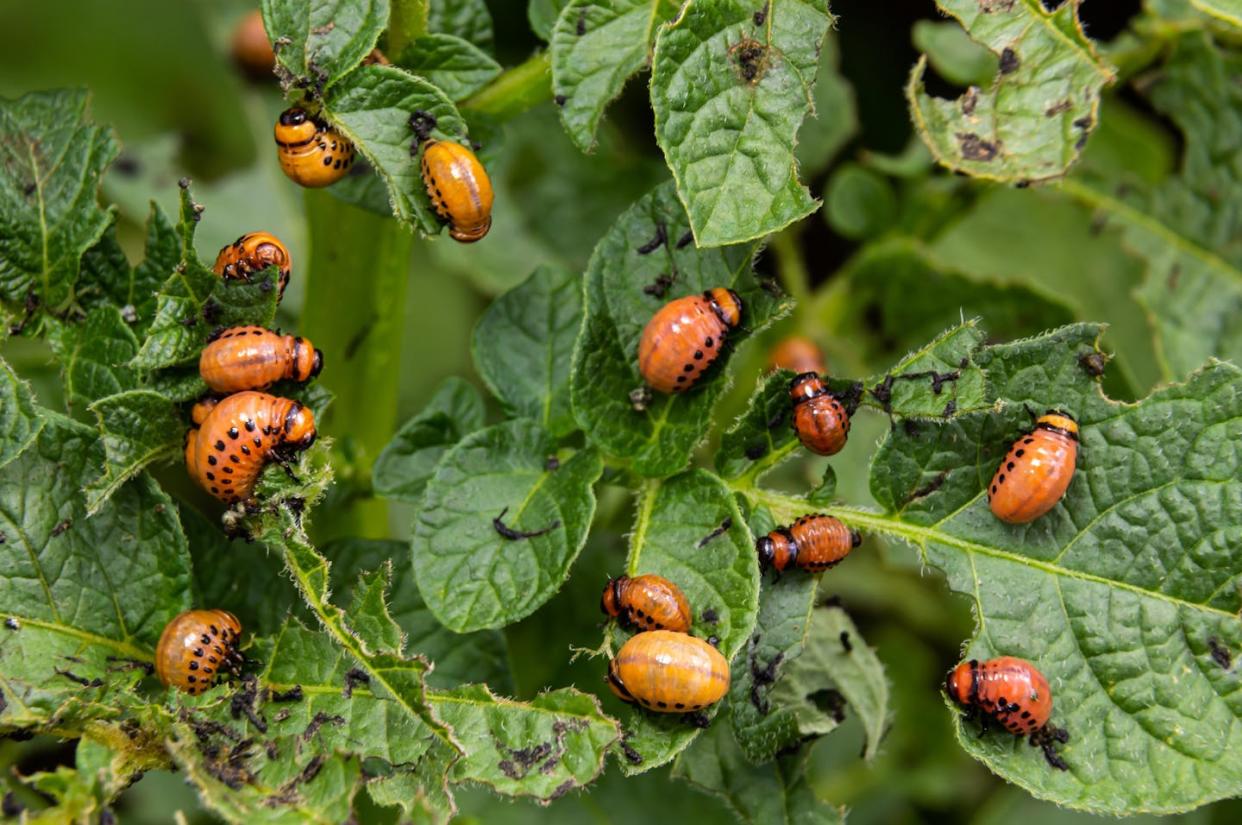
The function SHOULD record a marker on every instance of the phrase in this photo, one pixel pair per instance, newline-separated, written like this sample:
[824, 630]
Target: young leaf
[53, 159]
[475, 657]
[457, 66]
[596, 46]
[688, 529]
[404, 467]
[94, 355]
[523, 346]
[1124, 595]
[731, 83]
[764, 434]
[624, 287]
[1193, 288]
[542, 15]
[138, 427]
[1035, 119]
[501, 521]
[20, 421]
[468, 19]
[372, 106]
[317, 43]
[776, 794]
[80, 590]
[544, 748]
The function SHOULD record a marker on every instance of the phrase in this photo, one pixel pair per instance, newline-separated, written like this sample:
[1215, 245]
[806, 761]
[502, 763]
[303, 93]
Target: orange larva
[459, 188]
[1008, 689]
[819, 419]
[239, 435]
[685, 337]
[312, 153]
[669, 672]
[647, 602]
[798, 354]
[813, 543]
[196, 647]
[251, 253]
[252, 51]
[1037, 471]
[254, 358]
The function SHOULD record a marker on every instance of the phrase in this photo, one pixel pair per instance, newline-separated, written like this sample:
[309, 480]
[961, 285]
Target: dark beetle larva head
[299, 427]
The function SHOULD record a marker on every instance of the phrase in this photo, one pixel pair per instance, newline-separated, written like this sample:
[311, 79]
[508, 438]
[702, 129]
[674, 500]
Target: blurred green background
[899, 252]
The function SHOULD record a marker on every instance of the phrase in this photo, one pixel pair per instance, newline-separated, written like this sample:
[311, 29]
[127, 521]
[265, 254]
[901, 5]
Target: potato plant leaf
[457, 66]
[94, 355]
[53, 159]
[542, 16]
[408, 461]
[646, 260]
[731, 83]
[1228, 10]
[85, 596]
[20, 421]
[138, 427]
[688, 529]
[372, 107]
[1180, 228]
[1123, 595]
[317, 43]
[468, 19]
[1036, 117]
[522, 345]
[597, 45]
[108, 280]
[500, 522]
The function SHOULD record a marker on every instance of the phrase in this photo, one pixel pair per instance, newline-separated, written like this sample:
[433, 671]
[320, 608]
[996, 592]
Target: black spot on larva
[1021, 452]
[709, 343]
[1009, 466]
[220, 446]
[211, 476]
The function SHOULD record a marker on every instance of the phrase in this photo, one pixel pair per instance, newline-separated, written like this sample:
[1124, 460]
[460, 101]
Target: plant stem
[517, 89]
[407, 21]
[359, 267]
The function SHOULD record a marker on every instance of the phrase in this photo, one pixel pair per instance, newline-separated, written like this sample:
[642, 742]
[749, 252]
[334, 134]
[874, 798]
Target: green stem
[790, 266]
[359, 267]
[407, 21]
[517, 89]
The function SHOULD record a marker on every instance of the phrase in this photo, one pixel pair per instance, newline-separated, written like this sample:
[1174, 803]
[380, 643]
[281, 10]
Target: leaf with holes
[1125, 594]
[1036, 117]
[372, 106]
[1179, 229]
[646, 260]
[53, 159]
[597, 45]
[731, 82]
[81, 590]
[688, 530]
[500, 523]
[317, 43]
[406, 464]
[457, 66]
[523, 346]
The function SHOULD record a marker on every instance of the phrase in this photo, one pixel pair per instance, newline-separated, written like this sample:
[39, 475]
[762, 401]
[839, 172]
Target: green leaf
[470, 574]
[1034, 120]
[1120, 595]
[597, 45]
[952, 53]
[458, 658]
[372, 106]
[523, 345]
[20, 422]
[835, 118]
[775, 794]
[1228, 10]
[730, 89]
[1193, 288]
[53, 159]
[861, 203]
[468, 19]
[81, 589]
[457, 66]
[138, 427]
[542, 15]
[764, 434]
[544, 748]
[107, 279]
[688, 529]
[317, 43]
[405, 466]
[658, 440]
[194, 301]
[94, 355]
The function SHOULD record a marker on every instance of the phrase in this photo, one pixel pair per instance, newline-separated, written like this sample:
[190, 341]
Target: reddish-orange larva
[647, 602]
[254, 358]
[196, 647]
[1037, 471]
[819, 419]
[669, 672]
[685, 337]
[813, 543]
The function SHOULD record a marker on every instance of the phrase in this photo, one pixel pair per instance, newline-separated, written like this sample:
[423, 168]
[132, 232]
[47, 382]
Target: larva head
[959, 684]
[202, 408]
[295, 126]
[727, 305]
[616, 685]
[307, 361]
[610, 601]
[1058, 420]
[299, 427]
[806, 386]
